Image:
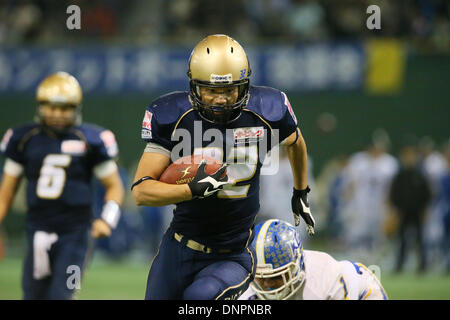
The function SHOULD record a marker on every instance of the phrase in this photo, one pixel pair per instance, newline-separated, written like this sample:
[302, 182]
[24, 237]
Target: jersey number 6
[52, 177]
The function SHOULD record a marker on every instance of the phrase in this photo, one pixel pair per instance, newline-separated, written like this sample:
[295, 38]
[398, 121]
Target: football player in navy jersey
[205, 252]
[58, 156]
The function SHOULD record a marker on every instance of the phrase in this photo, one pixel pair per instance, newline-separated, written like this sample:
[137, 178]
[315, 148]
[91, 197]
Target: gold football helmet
[59, 89]
[219, 61]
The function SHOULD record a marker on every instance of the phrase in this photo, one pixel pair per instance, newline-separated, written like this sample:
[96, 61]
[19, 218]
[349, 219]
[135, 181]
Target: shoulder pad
[170, 107]
[90, 131]
[98, 137]
[267, 102]
[23, 129]
[15, 138]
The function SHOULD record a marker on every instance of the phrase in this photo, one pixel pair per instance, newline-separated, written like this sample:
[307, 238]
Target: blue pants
[68, 250]
[178, 272]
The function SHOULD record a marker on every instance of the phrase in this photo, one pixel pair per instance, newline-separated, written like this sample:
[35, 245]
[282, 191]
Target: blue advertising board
[305, 67]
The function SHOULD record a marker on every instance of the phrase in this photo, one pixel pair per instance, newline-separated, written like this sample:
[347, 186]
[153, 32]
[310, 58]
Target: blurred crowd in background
[358, 199]
[252, 21]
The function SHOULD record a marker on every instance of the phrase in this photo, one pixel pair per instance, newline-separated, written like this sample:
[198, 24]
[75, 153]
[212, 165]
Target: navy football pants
[69, 250]
[178, 272]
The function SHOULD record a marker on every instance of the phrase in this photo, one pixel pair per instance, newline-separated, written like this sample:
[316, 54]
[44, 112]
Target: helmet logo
[221, 77]
[58, 99]
[243, 71]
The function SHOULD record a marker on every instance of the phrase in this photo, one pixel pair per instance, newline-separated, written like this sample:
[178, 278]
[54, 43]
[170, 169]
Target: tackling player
[58, 155]
[205, 254]
[287, 272]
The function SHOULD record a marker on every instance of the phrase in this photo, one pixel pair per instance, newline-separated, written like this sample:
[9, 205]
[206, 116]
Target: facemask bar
[293, 279]
[77, 120]
[219, 114]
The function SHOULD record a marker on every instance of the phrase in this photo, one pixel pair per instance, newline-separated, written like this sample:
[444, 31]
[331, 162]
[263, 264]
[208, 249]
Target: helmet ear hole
[231, 49]
[207, 50]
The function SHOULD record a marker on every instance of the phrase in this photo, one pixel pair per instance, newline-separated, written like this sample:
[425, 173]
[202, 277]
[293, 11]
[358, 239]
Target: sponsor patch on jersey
[73, 147]
[248, 134]
[221, 77]
[110, 143]
[146, 134]
[5, 140]
[147, 122]
[288, 105]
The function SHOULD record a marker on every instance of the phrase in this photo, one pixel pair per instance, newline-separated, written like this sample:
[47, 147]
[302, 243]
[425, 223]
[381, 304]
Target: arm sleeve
[105, 169]
[106, 148]
[154, 129]
[287, 123]
[10, 147]
[13, 168]
[339, 289]
[156, 148]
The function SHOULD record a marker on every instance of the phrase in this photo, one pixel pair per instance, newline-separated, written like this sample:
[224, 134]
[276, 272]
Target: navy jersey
[224, 219]
[59, 169]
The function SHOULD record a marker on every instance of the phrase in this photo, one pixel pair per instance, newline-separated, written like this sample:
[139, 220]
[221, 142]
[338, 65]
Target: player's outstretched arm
[298, 159]
[113, 188]
[151, 192]
[8, 188]
[114, 193]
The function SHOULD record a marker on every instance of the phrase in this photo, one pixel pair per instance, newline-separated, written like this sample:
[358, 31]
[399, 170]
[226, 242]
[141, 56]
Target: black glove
[203, 185]
[300, 207]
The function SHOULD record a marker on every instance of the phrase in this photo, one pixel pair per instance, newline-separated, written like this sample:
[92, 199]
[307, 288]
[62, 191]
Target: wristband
[111, 213]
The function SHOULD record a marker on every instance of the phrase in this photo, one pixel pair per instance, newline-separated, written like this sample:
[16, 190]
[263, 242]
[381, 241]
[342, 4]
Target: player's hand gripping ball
[184, 169]
[204, 175]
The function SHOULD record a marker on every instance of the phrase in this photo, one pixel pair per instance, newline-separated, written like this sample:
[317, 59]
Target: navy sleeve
[103, 144]
[10, 146]
[285, 120]
[157, 128]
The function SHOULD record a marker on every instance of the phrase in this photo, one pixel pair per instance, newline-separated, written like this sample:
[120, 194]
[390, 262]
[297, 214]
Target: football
[184, 169]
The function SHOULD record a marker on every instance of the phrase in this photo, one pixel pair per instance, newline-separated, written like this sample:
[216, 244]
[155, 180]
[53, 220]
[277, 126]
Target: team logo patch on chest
[73, 147]
[248, 134]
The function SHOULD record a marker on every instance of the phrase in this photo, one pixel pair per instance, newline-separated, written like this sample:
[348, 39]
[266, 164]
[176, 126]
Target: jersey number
[242, 160]
[52, 177]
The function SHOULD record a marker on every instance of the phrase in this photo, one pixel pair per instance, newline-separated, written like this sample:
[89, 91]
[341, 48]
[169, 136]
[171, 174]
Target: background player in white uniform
[286, 272]
[366, 183]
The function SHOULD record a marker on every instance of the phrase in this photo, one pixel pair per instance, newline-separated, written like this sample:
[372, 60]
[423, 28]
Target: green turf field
[112, 280]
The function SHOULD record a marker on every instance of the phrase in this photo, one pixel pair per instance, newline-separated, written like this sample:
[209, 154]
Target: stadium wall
[421, 105]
